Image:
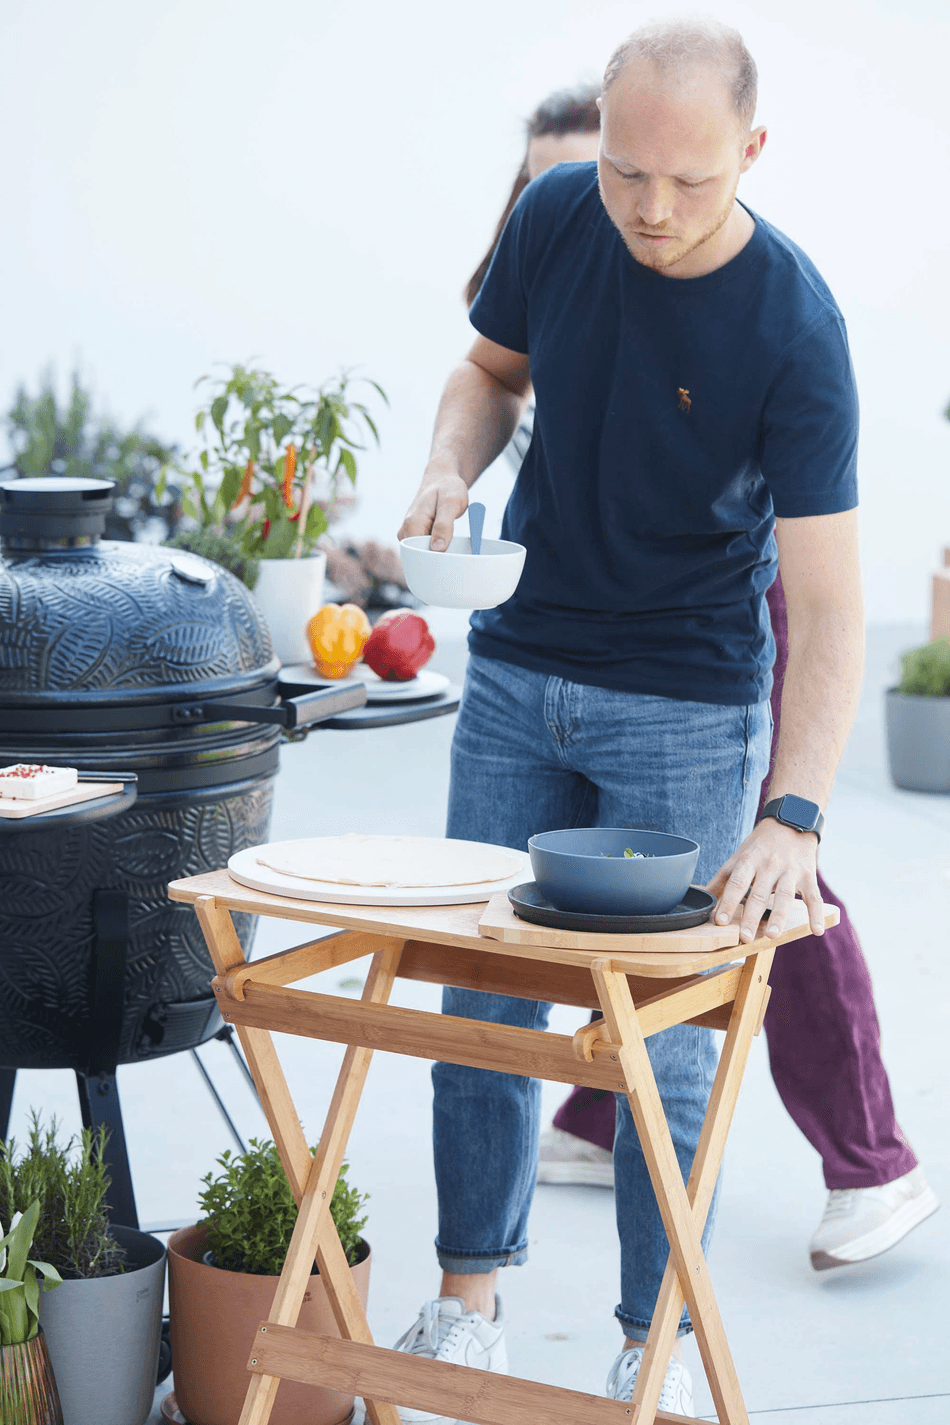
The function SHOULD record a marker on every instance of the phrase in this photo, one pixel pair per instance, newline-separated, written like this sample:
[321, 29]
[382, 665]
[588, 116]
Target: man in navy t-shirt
[696, 418]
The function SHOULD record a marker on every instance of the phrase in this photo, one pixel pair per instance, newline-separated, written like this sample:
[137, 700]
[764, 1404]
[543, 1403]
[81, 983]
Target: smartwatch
[797, 812]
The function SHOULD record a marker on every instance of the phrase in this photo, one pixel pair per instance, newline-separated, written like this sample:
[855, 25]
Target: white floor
[864, 1346]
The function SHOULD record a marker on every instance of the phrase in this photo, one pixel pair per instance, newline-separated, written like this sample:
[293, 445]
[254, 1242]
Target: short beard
[658, 263]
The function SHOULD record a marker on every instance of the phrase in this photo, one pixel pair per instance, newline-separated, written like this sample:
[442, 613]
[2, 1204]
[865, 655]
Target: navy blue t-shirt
[648, 513]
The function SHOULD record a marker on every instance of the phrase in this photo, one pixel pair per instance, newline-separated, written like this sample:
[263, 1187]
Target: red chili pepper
[399, 646]
[290, 466]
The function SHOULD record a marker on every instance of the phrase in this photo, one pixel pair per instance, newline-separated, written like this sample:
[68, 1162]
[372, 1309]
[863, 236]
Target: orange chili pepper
[245, 489]
[290, 466]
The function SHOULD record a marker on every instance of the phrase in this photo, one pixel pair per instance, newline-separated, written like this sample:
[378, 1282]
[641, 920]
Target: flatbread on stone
[400, 861]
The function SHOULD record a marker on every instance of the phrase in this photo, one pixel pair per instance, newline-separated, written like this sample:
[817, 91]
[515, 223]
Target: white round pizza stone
[426, 684]
[245, 868]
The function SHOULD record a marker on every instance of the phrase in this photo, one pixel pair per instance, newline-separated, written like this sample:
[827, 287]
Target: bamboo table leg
[687, 1274]
[311, 1178]
[751, 999]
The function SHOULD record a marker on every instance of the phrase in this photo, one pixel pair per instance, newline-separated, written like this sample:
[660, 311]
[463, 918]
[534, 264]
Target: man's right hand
[439, 503]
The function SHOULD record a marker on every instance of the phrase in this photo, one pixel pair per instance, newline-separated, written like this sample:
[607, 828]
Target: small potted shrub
[28, 1394]
[918, 720]
[270, 468]
[103, 1325]
[222, 1278]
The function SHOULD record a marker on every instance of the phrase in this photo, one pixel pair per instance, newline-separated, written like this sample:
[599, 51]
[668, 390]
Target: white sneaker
[863, 1222]
[445, 1331]
[566, 1159]
[676, 1395]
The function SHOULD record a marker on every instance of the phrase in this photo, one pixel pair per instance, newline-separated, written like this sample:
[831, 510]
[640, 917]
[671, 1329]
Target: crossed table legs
[443, 945]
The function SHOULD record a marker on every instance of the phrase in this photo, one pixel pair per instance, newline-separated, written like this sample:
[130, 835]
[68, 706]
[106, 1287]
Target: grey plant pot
[918, 741]
[104, 1335]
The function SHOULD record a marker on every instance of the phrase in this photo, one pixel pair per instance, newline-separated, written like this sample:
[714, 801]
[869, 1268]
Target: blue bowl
[585, 869]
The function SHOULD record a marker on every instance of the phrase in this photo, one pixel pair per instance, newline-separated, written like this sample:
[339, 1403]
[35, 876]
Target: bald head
[675, 47]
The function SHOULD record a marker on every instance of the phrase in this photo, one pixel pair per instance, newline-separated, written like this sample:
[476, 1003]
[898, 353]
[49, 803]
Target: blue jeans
[535, 753]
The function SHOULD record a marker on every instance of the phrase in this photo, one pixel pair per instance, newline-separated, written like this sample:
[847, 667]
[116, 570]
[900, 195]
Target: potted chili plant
[28, 1394]
[269, 470]
[103, 1324]
[222, 1278]
[918, 720]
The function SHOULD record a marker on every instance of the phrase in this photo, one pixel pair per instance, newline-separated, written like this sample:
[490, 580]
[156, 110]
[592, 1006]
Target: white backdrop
[311, 184]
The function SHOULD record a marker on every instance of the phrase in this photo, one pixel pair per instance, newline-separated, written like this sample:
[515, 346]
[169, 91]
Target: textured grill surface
[117, 619]
[47, 881]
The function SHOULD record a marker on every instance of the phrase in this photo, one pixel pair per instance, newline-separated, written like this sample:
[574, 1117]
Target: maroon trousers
[823, 1037]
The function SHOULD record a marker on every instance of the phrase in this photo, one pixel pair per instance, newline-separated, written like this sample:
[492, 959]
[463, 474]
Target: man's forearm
[819, 700]
[477, 417]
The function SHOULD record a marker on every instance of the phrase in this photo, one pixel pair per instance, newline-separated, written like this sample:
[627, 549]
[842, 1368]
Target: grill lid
[107, 625]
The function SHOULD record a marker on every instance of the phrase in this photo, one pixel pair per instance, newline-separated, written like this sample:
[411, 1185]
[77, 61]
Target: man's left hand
[773, 861]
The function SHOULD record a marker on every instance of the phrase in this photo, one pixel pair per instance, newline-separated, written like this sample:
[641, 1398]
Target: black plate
[528, 903]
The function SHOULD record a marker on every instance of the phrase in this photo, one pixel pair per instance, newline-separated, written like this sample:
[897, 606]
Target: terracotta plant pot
[214, 1319]
[28, 1394]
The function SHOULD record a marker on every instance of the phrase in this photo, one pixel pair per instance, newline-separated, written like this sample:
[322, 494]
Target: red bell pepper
[399, 646]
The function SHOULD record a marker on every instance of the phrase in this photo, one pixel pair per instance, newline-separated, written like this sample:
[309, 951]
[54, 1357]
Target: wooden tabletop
[680, 953]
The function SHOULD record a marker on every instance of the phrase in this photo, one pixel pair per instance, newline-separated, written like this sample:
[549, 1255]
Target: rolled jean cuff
[639, 1330]
[471, 1264]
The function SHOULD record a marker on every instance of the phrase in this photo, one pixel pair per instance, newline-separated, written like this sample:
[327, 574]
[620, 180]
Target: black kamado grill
[156, 667]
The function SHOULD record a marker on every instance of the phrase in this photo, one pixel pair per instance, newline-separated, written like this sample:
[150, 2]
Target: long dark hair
[569, 111]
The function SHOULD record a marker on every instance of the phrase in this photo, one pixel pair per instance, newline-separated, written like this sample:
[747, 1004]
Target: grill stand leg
[225, 1035]
[7, 1085]
[98, 1090]
[219, 1101]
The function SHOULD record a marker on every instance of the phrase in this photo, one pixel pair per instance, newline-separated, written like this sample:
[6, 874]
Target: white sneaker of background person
[445, 1331]
[864, 1222]
[676, 1395]
[569, 1161]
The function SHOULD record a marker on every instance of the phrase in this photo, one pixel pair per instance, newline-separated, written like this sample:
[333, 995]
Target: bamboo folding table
[642, 984]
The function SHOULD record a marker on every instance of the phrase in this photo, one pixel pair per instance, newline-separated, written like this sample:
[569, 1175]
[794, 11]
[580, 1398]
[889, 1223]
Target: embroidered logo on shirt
[685, 402]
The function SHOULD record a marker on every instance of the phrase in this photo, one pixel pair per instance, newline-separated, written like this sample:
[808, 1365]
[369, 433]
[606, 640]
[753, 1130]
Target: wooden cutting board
[499, 922]
[15, 808]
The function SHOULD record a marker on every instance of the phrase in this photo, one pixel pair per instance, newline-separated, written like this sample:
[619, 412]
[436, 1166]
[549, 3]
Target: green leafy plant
[214, 544]
[51, 439]
[926, 670]
[250, 1212]
[69, 1183]
[19, 1288]
[266, 449]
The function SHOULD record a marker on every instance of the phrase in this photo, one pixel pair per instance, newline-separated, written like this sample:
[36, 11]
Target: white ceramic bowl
[455, 578]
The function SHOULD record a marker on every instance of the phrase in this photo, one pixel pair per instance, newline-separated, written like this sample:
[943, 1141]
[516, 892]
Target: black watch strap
[796, 812]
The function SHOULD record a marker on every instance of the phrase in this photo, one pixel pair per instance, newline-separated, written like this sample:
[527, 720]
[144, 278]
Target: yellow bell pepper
[336, 636]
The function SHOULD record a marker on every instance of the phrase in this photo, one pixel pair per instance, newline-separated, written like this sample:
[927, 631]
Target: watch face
[797, 811]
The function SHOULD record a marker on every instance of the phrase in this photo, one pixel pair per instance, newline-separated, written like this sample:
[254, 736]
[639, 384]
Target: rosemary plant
[69, 1183]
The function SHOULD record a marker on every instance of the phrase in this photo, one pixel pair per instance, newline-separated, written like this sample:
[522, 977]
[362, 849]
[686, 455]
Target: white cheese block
[31, 782]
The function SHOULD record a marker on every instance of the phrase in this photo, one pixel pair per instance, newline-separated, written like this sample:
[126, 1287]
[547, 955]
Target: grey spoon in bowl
[476, 523]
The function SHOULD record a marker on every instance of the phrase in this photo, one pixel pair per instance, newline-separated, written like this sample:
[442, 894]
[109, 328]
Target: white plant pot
[289, 592]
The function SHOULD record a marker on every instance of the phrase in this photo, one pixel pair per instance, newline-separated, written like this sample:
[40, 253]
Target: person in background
[822, 1028]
